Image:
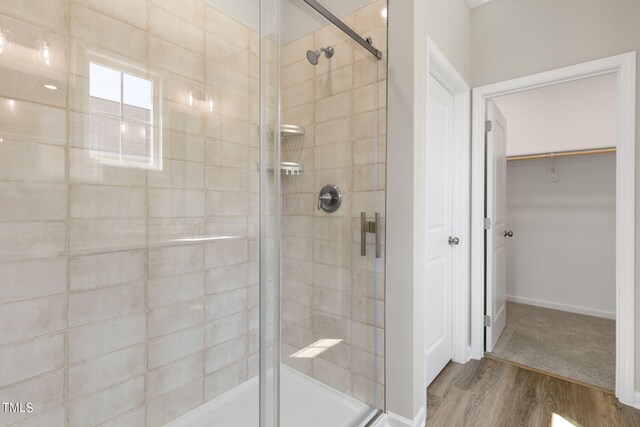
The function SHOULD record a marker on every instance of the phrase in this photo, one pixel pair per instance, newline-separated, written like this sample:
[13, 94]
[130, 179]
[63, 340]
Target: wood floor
[492, 393]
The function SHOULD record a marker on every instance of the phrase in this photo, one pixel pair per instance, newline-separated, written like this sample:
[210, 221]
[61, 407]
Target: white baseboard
[636, 402]
[563, 307]
[394, 420]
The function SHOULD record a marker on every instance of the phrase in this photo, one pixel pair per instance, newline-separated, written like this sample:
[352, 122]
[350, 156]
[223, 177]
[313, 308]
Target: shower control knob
[329, 198]
[325, 198]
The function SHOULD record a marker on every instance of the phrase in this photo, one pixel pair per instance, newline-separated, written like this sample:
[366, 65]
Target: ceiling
[476, 3]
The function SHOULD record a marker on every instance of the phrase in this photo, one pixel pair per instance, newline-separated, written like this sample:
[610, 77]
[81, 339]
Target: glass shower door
[129, 212]
[332, 181]
[161, 247]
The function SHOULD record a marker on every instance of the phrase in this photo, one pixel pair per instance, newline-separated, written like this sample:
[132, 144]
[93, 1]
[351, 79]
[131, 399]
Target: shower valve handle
[324, 198]
[329, 198]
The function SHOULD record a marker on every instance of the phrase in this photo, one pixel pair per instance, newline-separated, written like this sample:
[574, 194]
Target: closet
[560, 238]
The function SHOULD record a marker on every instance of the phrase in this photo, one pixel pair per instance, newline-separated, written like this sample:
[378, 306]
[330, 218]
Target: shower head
[313, 56]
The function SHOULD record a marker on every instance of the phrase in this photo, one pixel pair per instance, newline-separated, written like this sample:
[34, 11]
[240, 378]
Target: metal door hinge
[487, 321]
[488, 126]
[487, 223]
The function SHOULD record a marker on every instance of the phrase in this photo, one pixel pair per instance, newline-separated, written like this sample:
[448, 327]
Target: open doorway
[558, 213]
[493, 234]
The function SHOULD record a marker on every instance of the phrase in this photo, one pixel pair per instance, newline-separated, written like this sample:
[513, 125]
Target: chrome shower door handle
[369, 227]
[378, 243]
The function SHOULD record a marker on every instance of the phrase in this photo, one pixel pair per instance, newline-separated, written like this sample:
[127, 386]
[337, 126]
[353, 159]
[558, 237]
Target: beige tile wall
[107, 318]
[329, 290]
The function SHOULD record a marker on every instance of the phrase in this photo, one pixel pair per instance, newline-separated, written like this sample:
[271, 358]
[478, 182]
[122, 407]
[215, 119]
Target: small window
[122, 118]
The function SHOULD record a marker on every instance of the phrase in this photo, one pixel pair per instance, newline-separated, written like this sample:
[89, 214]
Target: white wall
[571, 116]
[449, 26]
[562, 254]
[404, 319]
[410, 22]
[516, 38]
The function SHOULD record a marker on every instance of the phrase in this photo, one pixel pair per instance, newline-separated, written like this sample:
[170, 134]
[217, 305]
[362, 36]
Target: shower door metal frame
[269, 361]
[331, 17]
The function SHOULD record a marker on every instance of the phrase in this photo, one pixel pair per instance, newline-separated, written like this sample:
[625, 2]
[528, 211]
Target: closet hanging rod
[564, 154]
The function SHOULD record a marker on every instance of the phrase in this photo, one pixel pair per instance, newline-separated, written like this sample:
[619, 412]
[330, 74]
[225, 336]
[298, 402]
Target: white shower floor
[305, 402]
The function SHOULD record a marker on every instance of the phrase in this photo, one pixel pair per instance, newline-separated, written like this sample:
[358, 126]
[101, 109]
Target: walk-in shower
[314, 55]
[162, 257]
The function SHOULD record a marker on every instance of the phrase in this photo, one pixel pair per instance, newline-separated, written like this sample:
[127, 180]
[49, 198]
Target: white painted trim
[636, 402]
[445, 73]
[625, 67]
[393, 420]
[563, 307]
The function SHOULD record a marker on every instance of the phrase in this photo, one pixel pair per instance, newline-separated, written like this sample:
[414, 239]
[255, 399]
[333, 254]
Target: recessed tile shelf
[291, 130]
[288, 168]
[291, 168]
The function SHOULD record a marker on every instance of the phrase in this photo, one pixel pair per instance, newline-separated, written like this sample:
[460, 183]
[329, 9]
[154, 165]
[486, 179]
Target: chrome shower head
[313, 56]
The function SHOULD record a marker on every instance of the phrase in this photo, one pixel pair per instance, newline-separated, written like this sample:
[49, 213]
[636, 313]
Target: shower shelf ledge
[288, 168]
[291, 168]
[291, 130]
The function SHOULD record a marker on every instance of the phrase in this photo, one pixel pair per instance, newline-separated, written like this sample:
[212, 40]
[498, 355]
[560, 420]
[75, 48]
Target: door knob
[453, 240]
[508, 233]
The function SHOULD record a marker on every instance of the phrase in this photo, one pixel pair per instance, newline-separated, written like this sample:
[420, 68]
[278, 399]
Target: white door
[496, 205]
[439, 188]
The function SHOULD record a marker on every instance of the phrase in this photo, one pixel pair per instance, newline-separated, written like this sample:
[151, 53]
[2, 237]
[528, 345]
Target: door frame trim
[624, 66]
[445, 73]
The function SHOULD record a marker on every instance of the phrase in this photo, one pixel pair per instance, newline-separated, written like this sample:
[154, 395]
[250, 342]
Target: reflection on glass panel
[121, 123]
[104, 137]
[104, 85]
[135, 143]
[137, 92]
[44, 53]
[5, 45]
